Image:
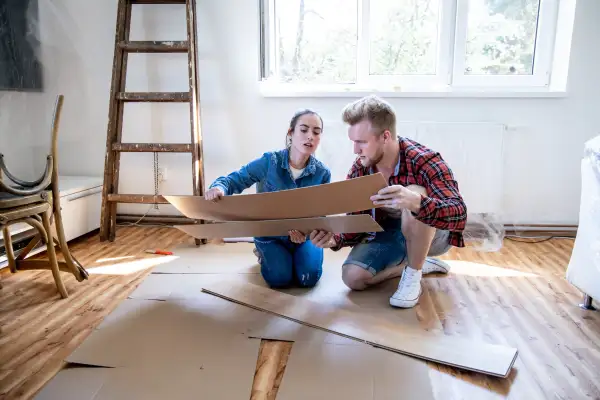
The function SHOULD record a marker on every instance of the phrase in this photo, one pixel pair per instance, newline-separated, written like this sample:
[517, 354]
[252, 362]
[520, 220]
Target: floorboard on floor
[517, 296]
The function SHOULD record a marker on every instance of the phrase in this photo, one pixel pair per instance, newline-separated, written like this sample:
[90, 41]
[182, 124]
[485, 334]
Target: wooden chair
[37, 203]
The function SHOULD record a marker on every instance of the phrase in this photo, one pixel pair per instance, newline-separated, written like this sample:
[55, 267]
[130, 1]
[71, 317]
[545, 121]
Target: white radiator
[473, 150]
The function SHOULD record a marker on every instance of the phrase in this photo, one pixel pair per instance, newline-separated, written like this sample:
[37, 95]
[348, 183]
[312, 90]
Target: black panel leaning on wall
[20, 66]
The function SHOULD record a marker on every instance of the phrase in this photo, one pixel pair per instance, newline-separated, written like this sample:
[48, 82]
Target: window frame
[542, 68]
[450, 64]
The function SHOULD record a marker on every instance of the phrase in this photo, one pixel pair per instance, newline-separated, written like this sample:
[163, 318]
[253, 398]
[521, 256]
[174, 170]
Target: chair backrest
[50, 175]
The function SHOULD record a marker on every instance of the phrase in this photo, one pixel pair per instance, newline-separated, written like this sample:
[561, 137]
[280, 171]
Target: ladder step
[157, 1]
[155, 46]
[154, 96]
[137, 198]
[153, 147]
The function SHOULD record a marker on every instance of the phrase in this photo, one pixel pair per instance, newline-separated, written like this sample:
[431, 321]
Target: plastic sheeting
[584, 267]
[484, 232]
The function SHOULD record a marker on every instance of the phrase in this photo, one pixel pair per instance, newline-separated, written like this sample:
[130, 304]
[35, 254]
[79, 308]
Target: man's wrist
[416, 206]
[334, 241]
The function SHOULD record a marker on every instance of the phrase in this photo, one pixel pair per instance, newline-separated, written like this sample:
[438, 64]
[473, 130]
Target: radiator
[473, 150]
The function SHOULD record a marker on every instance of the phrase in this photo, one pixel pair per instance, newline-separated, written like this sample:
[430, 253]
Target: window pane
[316, 40]
[501, 37]
[403, 36]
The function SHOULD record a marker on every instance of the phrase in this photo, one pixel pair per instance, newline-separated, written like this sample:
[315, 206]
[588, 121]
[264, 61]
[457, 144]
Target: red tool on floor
[158, 251]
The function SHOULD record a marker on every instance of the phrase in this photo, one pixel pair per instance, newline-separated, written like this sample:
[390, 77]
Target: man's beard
[371, 162]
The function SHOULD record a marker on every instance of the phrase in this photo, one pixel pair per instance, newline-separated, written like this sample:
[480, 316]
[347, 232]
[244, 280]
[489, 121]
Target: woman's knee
[276, 263]
[279, 278]
[309, 279]
[308, 261]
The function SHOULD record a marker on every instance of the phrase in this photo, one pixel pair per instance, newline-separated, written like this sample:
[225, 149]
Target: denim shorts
[388, 248]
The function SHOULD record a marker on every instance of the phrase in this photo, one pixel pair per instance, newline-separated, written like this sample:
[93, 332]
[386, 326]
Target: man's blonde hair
[373, 109]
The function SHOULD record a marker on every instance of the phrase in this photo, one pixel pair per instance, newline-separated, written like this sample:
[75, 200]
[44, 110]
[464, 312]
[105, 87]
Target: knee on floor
[277, 281]
[355, 277]
[309, 279]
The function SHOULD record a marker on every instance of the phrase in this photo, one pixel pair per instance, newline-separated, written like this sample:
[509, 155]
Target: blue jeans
[285, 263]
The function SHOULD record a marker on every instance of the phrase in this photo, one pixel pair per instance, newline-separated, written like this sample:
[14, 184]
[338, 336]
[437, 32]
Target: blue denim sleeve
[237, 181]
[327, 177]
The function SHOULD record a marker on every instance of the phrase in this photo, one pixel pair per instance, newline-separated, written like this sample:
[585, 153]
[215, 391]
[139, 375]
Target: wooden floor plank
[517, 296]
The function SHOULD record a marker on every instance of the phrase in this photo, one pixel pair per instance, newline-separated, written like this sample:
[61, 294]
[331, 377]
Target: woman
[289, 259]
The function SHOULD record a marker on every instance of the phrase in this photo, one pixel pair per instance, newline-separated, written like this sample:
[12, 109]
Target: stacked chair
[37, 203]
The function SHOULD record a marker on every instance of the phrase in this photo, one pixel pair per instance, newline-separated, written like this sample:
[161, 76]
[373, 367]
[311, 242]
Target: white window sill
[349, 91]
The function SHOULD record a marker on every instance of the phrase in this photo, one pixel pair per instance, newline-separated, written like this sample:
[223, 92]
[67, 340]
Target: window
[409, 44]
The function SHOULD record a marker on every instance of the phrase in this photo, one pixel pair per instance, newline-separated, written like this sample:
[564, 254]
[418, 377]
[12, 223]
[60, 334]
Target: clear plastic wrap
[484, 232]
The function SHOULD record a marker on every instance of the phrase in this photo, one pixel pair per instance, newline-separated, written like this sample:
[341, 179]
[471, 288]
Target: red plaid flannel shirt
[442, 208]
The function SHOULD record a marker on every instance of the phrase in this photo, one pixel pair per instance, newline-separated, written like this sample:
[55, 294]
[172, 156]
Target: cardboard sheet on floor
[224, 258]
[339, 372]
[156, 382]
[211, 259]
[330, 290]
[183, 333]
[282, 227]
[496, 360]
[314, 201]
[183, 291]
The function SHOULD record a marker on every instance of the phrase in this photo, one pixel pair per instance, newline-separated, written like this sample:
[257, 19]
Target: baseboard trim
[541, 230]
[155, 219]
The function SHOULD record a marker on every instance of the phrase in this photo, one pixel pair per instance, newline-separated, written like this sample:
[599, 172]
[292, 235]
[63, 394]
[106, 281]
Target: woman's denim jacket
[272, 173]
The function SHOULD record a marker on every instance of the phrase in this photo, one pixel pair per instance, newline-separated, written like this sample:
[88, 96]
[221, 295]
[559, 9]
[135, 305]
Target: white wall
[542, 150]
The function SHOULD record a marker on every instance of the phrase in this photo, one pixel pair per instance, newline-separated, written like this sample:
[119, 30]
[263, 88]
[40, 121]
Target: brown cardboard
[210, 259]
[228, 379]
[80, 383]
[182, 333]
[496, 360]
[184, 290]
[315, 201]
[338, 372]
[282, 227]
[330, 289]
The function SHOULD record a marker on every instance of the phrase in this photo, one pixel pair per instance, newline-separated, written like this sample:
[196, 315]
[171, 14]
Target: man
[422, 211]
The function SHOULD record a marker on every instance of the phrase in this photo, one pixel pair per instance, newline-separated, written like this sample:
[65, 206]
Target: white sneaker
[409, 289]
[434, 265]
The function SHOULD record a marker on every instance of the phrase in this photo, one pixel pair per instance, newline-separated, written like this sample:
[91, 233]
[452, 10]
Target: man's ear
[387, 135]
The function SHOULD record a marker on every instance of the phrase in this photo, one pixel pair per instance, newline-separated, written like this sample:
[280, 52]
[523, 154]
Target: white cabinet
[80, 200]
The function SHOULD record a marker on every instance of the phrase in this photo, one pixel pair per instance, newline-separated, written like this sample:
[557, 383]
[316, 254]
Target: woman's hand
[297, 236]
[214, 194]
[322, 239]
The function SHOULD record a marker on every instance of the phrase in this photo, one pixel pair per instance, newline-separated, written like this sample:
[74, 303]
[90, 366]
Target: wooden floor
[517, 296]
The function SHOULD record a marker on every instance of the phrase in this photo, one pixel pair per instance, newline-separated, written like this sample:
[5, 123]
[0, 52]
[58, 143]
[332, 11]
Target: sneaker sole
[405, 303]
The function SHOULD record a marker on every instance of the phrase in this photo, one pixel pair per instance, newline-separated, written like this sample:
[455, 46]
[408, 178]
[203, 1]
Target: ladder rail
[195, 129]
[119, 96]
[115, 122]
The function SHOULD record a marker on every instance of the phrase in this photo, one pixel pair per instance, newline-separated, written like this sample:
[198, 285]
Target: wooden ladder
[118, 97]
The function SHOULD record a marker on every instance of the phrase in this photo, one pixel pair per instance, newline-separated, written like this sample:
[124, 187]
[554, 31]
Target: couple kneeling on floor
[422, 212]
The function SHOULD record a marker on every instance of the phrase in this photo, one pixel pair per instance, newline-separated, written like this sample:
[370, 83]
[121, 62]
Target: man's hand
[297, 236]
[398, 197]
[322, 239]
[214, 194]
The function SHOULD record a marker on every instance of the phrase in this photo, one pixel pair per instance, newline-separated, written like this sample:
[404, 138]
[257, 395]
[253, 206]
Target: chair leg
[587, 303]
[10, 254]
[75, 266]
[52, 256]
